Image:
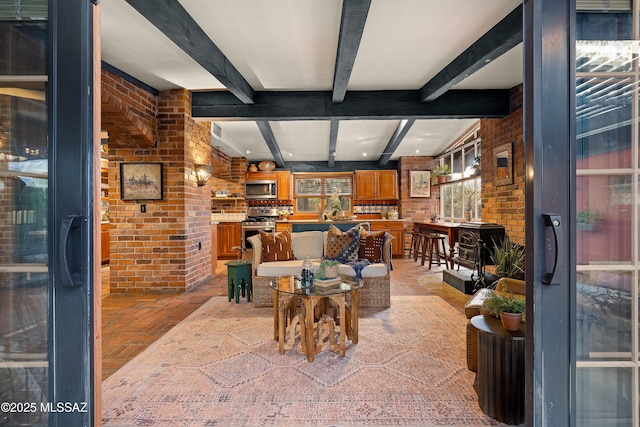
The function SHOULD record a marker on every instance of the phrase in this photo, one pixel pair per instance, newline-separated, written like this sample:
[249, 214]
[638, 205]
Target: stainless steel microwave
[261, 190]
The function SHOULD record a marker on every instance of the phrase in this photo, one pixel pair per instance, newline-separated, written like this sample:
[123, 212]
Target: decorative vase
[253, 168]
[511, 321]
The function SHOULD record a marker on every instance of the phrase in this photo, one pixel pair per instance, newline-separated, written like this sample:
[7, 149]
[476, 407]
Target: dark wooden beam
[505, 35]
[175, 22]
[270, 139]
[333, 142]
[340, 166]
[359, 105]
[396, 139]
[354, 16]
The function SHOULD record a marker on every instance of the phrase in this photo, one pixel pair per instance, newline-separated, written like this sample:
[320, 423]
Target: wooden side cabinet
[228, 237]
[283, 226]
[376, 184]
[284, 185]
[105, 242]
[214, 248]
[396, 229]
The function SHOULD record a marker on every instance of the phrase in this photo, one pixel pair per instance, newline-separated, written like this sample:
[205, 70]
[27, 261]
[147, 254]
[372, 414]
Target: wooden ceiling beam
[353, 19]
[359, 105]
[504, 36]
[270, 139]
[174, 21]
[333, 142]
[396, 139]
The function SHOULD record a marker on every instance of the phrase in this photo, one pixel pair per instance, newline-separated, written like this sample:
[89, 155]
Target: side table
[500, 376]
[239, 279]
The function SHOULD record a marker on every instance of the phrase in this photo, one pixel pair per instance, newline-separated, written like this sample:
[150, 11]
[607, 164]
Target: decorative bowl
[266, 166]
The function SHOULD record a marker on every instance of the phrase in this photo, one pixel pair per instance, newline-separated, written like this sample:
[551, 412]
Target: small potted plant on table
[507, 307]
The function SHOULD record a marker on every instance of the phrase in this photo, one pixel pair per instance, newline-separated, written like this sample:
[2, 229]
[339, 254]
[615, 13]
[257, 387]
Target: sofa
[376, 278]
[473, 307]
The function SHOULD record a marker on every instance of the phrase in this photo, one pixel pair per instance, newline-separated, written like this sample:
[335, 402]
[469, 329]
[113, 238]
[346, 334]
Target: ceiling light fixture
[364, 154]
[203, 173]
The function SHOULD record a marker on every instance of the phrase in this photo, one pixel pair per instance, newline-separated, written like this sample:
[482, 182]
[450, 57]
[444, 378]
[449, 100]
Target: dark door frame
[549, 132]
[70, 98]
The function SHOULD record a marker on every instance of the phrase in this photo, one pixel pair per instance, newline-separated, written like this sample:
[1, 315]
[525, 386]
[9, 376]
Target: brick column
[167, 248]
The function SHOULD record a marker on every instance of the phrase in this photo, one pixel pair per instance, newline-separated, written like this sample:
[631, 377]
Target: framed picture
[420, 183]
[141, 181]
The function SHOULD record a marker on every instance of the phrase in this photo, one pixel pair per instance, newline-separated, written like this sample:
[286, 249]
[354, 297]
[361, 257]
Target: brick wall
[167, 248]
[233, 183]
[415, 209]
[504, 204]
[128, 112]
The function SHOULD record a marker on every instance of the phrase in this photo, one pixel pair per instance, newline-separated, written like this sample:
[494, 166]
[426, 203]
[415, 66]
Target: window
[312, 192]
[460, 198]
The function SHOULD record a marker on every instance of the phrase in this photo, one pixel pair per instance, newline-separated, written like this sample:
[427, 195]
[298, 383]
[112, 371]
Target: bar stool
[414, 246]
[434, 250]
[421, 248]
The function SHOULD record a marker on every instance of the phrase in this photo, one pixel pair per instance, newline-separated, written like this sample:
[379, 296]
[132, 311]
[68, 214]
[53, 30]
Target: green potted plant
[329, 269]
[508, 258]
[508, 308]
[442, 173]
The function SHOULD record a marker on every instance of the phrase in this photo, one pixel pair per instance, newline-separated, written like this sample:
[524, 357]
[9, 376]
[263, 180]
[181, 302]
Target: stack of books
[327, 283]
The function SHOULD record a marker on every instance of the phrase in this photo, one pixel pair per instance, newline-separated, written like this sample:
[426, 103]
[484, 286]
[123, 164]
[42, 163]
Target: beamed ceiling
[299, 81]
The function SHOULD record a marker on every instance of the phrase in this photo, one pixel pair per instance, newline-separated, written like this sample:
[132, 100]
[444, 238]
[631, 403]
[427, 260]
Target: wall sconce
[203, 173]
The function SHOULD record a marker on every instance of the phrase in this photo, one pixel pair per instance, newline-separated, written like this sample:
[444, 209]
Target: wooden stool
[413, 246]
[434, 250]
[421, 240]
[239, 279]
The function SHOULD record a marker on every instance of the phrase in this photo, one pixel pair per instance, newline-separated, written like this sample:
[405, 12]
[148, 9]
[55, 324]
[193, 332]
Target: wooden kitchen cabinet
[105, 242]
[284, 185]
[396, 229]
[376, 184]
[283, 226]
[214, 248]
[229, 235]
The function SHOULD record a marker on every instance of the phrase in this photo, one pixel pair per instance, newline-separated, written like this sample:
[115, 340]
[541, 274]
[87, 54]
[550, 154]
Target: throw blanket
[358, 266]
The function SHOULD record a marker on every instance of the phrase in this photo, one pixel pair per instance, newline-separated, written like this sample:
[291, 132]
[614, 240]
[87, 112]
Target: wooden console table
[448, 228]
[500, 370]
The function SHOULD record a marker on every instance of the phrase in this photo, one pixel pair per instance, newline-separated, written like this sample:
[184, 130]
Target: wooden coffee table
[287, 292]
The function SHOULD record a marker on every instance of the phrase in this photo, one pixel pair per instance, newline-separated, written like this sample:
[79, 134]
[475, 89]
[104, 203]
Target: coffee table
[288, 291]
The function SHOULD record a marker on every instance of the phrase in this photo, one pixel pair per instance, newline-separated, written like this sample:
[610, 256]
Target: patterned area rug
[221, 367]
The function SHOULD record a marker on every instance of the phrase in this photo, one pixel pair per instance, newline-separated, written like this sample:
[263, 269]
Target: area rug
[221, 367]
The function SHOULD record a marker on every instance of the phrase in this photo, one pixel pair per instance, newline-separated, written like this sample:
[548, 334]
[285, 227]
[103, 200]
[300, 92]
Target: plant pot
[332, 271]
[442, 179]
[511, 321]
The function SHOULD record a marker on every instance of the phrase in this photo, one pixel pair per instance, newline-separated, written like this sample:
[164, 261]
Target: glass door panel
[607, 225]
[24, 272]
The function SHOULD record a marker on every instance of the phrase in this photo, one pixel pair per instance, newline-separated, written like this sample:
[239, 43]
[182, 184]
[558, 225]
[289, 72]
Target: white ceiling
[292, 45]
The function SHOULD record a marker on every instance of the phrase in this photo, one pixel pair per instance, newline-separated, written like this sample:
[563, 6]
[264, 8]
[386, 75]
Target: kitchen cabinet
[283, 226]
[284, 185]
[104, 242]
[396, 229]
[228, 236]
[214, 248]
[376, 185]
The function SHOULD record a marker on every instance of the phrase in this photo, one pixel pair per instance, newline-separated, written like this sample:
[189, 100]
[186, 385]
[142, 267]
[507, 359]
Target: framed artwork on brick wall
[141, 181]
[420, 183]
